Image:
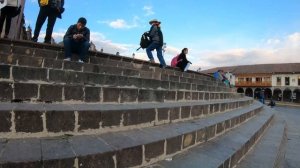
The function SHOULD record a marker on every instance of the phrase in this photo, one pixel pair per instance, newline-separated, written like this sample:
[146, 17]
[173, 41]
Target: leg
[50, 25]
[39, 23]
[149, 50]
[83, 50]
[2, 18]
[160, 56]
[68, 47]
[7, 25]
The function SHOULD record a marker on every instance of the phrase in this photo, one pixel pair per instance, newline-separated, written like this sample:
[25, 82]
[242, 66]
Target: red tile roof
[259, 69]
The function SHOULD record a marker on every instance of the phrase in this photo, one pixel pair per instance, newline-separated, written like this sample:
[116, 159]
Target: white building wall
[293, 79]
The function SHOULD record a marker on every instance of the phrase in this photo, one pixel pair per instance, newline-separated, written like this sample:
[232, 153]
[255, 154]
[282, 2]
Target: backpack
[174, 61]
[145, 41]
[44, 2]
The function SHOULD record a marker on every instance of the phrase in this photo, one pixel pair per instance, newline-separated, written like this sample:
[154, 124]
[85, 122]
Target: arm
[153, 31]
[87, 35]
[69, 34]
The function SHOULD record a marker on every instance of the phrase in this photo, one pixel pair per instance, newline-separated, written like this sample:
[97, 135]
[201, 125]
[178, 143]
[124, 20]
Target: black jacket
[182, 61]
[73, 30]
[57, 5]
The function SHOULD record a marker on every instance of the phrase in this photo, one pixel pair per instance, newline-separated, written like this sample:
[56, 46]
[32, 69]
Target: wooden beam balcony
[253, 84]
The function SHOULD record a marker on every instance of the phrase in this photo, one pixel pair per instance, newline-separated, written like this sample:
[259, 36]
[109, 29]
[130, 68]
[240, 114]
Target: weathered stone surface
[5, 121]
[128, 95]
[6, 91]
[220, 127]
[26, 91]
[96, 160]
[134, 117]
[28, 121]
[30, 61]
[163, 114]
[26, 73]
[180, 95]
[210, 132]
[188, 139]
[151, 96]
[57, 153]
[130, 157]
[16, 154]
[154, 150]
[57, 121]
[111, 118]
[73, 93]
[197, 111]
[51, 92]
[174, 145]
[185, 112]
[174, 113]
[89, 120]
[4, 71]
[201, 135]
[51, 63]
[111, 94]
[71, 65]
[92, 94]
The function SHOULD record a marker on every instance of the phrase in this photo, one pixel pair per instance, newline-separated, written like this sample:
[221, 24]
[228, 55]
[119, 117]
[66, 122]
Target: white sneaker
[80, 61]
[67, 59]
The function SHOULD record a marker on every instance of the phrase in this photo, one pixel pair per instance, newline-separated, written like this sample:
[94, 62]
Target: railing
[254, 84]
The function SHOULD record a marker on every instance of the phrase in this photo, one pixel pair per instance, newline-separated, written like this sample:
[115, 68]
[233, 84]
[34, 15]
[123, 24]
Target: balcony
[253, 84]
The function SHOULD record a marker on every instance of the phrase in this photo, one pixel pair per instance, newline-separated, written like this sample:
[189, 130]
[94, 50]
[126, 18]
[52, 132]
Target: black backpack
[145, 41]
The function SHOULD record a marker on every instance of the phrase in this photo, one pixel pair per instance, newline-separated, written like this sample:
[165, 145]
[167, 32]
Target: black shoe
[34, 39]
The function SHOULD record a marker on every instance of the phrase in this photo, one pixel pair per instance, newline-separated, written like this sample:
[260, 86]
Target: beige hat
[154, 21]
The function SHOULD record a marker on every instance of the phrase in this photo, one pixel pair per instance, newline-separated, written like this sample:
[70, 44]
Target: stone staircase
[115, 111]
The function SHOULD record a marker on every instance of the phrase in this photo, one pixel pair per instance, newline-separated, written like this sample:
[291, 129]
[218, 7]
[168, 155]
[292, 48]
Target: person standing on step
[157, 42]
[12, 9]
[77, 39]
[182, 61]
[50, 9]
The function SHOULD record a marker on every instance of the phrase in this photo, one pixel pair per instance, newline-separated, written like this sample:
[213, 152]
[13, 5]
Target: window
[278, 81]
[258, 80]
[287, 81]
[249, 79]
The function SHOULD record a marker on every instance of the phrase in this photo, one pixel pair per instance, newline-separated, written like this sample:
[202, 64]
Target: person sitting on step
[77, 39]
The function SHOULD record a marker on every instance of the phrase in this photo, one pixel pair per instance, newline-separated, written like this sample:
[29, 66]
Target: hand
[75, 36]
[79, 35]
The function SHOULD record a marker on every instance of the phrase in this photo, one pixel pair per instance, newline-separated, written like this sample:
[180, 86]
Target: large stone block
[26, 91]
[45, 53]
[92, 94]
[128, 95]
[111, 95]
[134, 117]
[151, 96]
[97, 160]
[174, 145]
[57, 121]
[130, 157]
[73, 93]
[51, 92]
[197, 111]
[26, 73]
[30, 61]
[154, 150]
[89, 120]
[6, 91]
[111, 118]
[29, 121]
[185, 112]
[4, 71]
[71, 65]
[188, 139]
[5, 121]
[51, 63]
[163, 114]
[174, 113]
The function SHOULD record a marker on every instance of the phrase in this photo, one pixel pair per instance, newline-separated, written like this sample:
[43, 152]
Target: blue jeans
[80, 47]
[158, 48]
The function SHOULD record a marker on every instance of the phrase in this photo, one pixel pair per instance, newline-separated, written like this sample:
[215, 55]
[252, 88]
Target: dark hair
[182, 51]
[82, 20]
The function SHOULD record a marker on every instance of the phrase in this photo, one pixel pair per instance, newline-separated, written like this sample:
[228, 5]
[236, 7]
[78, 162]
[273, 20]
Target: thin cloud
[122, 24]
[148, 10]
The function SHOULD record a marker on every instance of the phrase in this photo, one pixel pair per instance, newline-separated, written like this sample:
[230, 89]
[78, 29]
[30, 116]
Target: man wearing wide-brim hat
[156, 37]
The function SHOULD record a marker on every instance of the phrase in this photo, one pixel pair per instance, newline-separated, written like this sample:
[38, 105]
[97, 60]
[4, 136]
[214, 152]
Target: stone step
[33, 91]
[101, 68]
[132, 148]
[23, 73]
[56, 52]
[224, 151]
[19, 120]
[269, 151]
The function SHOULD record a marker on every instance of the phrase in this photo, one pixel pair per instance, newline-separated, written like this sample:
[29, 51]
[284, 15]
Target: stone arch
[297, 93]
[256, 93]
[240, 90]
[286, 96]
[268, 93]
[249, 92]
[277, 94]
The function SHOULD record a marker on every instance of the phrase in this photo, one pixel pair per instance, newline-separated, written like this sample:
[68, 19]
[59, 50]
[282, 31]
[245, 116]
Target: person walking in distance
[156, 37]
[77, 39]
[50, 9]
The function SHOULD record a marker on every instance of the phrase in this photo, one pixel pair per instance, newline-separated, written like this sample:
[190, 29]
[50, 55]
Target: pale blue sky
[217, 32]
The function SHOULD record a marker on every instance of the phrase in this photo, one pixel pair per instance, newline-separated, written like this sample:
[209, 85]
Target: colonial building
[279, 81]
